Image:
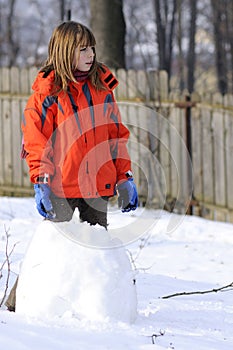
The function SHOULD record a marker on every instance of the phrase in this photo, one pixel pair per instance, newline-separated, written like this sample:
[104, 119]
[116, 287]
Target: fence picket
[229, 158]
[14, 80]
[7, 143]
[5, 77]
[122, 90]
[24, 81]
[207, 152]
[16, 143]
[219, 158]
[197, 153]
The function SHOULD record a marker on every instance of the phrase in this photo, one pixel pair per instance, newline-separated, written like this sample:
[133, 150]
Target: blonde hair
[66, 38]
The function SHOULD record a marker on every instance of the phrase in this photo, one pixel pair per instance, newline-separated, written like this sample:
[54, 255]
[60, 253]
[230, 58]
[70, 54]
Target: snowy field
[169, 254]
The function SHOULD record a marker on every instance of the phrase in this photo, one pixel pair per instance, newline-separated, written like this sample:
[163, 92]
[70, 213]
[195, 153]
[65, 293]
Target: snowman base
[88, 278]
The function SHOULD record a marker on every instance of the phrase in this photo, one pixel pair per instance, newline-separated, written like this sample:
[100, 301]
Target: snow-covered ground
[169, 254]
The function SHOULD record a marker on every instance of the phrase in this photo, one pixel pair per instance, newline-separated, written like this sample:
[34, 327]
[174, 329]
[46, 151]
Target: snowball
[59, 275]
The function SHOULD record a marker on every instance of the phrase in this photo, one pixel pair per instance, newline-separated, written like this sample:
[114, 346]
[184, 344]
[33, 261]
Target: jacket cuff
[124, 177]
[43, 179]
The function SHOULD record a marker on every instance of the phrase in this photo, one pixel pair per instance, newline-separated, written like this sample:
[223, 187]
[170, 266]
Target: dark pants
[91, 210]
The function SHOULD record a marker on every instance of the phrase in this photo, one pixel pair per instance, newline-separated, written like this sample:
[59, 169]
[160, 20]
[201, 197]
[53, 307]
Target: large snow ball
[59, 276]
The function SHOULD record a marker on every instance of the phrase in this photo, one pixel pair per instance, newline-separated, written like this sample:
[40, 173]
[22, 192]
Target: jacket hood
[44, 84]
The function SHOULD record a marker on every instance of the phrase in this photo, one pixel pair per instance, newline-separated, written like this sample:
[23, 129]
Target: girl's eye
[85, 48]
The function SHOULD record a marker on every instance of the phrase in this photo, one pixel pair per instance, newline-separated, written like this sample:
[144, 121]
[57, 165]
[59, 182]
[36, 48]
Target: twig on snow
[154, 336]
[142, 245]
[214, 290]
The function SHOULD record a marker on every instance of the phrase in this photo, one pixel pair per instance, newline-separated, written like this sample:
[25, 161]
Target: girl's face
[86, 58]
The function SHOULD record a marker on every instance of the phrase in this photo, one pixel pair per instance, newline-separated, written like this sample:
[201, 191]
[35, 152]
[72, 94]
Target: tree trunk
[161, 38]
[220, 51]
[191, 59]
[165, 24]
[11, 42]
[180, 53]
[108, 25]
[229, 36]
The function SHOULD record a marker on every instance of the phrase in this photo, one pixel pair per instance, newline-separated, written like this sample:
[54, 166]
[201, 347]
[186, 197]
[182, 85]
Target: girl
[74, 139]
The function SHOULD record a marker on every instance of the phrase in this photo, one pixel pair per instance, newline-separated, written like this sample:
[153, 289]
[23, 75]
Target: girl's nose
[90, 52]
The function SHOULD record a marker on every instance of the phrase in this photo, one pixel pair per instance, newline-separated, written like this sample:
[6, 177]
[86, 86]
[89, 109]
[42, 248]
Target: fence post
[187, 105]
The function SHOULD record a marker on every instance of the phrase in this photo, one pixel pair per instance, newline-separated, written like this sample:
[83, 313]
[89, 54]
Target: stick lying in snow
[215, 290]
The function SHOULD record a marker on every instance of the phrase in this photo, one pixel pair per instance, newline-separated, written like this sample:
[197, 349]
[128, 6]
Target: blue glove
[43, 202]
[128, 196]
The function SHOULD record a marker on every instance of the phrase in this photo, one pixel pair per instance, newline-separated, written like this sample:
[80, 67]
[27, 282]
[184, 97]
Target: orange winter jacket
[77, 138]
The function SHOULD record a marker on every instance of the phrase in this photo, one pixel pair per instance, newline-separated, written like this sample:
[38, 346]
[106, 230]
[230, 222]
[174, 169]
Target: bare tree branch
[6, 262]
[155, 336]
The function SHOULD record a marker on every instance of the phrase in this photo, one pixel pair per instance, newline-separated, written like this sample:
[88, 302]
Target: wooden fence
[167, 173]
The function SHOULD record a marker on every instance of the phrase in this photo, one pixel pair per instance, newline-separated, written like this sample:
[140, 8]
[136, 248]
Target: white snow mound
[60, 277]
